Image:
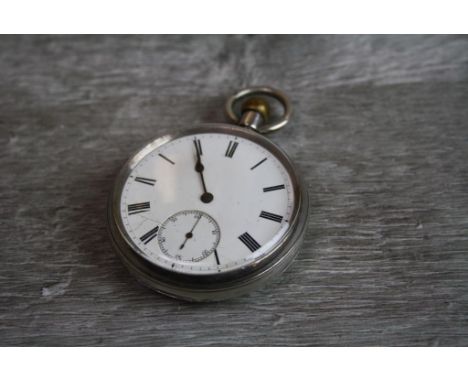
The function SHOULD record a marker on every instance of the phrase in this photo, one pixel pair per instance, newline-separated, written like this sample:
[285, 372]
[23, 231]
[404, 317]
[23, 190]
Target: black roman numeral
[271, 216]
[166, 158]
[249, 241]
[150, 235]
[138, 208]
[273, 188]
[198, 147]
[216, 256]
[258, 164]
[231, 149]
[148, 181]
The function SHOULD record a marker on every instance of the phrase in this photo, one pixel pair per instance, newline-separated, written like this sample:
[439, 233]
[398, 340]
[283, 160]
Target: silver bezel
[221, 285]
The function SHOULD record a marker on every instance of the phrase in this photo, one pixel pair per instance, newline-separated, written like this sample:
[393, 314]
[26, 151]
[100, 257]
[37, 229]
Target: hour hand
[206, 197]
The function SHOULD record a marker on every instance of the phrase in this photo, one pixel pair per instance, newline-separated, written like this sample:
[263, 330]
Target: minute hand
[206, 196]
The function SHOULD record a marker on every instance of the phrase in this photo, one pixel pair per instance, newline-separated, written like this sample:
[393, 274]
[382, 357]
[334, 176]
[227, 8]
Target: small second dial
[189, 235]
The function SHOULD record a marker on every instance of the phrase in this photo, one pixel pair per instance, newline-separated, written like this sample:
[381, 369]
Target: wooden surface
[380, 132]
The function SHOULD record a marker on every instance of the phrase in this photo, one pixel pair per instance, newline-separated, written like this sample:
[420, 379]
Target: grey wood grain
[380, 133]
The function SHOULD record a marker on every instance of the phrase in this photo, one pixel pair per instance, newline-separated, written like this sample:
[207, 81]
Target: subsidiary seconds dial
[189, 236]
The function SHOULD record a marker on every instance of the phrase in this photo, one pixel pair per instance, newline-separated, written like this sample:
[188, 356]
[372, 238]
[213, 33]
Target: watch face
[207, 203]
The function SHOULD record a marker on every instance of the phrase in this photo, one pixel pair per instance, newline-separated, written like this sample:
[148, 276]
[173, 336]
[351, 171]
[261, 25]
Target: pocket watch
[212, 212]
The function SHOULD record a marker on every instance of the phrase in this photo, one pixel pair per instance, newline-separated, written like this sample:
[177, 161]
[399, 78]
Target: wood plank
[379, 132]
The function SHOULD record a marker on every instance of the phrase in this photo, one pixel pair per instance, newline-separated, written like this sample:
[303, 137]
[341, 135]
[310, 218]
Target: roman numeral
[216, 256]
[148, 181]
[198, 147]
[273, 188]
[271, 216]
[150, 235]
[138, 208]
[231, 149]
[249, 241]
[166, 158]
[258, 164]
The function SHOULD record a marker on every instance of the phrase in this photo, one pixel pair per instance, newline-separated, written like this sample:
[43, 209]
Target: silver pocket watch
[215, 211]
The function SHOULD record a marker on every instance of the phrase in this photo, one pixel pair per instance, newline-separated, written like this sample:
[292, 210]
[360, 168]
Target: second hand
[189, 235]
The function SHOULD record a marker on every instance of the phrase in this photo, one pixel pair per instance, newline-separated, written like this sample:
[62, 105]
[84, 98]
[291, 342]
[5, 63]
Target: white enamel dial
[207, 203]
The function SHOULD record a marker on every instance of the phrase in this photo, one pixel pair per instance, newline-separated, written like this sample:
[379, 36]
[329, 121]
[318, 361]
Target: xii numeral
[231, 149]
[198, 147]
